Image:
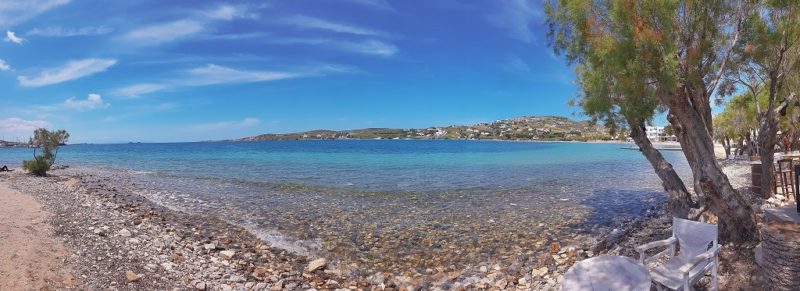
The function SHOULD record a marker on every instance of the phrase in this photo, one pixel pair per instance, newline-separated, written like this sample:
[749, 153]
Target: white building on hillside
[657, 133]
[654, 133]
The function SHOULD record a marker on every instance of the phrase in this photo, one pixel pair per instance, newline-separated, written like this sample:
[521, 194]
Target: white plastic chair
[693, 261]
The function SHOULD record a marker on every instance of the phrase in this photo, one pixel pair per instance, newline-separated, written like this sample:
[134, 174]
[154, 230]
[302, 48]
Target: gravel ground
[122, 241]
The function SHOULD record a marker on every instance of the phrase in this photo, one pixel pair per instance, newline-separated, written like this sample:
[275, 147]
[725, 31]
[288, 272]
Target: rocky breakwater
[120, 241]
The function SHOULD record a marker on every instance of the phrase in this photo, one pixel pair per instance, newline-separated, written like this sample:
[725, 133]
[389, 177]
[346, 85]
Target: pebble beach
[116, 238]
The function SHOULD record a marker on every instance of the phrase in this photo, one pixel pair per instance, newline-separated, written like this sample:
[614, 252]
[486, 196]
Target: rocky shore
[119, 240]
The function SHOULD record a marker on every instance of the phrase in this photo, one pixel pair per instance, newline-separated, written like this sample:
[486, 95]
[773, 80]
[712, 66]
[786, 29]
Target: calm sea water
[393, 205]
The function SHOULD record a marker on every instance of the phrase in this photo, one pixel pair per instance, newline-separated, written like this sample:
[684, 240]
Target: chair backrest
[785, 164]
[693, 237]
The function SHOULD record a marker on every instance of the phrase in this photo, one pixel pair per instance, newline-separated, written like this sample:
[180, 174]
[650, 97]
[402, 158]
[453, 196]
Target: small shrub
[48, 141]
[38, 166]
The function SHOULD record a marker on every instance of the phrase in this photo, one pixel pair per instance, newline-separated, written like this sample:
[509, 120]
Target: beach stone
[132, 277]
[225, 287]
[551, 282]
[228, 254]
[167, 266]
[316, 265]
[554, 248]
[544, 259]
[209, 247]
[236, 278]
[124, 233]
[259, 272]
[200, 286]
[539, 272]
[261, 286]
[501, 284]
[483, 269]
[176, 257]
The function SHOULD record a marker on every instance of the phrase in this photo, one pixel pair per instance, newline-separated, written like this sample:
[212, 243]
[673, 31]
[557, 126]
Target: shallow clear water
[395, 205]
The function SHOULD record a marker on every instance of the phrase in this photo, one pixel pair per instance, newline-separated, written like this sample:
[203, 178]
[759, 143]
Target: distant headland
[544, 128]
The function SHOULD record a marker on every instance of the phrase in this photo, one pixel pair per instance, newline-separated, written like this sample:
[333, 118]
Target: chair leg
[714, 275]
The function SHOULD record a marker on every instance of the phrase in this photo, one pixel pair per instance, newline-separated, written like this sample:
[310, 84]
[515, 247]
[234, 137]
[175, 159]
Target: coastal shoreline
[107, 228]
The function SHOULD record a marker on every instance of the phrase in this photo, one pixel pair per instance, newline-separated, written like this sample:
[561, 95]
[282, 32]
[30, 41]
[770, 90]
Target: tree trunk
[679, 201]
[736, 218]
[767, 135]
[741, 146]
[726, 143]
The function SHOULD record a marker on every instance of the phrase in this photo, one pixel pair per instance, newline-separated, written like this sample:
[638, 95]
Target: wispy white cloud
[368, 47]
[141, 110]
[515, 63]
[70, 71]
[233, 124]
[229, 12]
[137, 90]
[307, 22]
[377, 4]
[4, 66]
[235, 36]
[13, 12]
[92, 102]
[518, 17]
[58, 31]
[212, 74]
[12, 37]
[14, 125]
[162, 33]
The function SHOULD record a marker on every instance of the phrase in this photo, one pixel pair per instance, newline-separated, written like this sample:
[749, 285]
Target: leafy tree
[766, 54]
[645, 56]
[48, 142]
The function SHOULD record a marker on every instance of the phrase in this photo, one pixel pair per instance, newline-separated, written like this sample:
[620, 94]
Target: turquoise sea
[392, 205]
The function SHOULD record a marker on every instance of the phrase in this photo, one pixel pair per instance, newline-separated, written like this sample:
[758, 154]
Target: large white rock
[316, 265]
[228, 254]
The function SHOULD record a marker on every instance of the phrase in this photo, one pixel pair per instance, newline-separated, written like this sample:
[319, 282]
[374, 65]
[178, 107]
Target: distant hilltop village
[545, 128]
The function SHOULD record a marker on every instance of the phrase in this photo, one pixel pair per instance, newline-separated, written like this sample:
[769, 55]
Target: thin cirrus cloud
[212, 74]
[162, 33]
[137, 90]
[517, 17]
[13, 125]
[58, 31]
[92, 102]
[366, 47]
[12, 37]
[376, 4]
[229, 12]
[70, 71]
[371, 47]
[233, 124]
[15, 12]
[307, 22]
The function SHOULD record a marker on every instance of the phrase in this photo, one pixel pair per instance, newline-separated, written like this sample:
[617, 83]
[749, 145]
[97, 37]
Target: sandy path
[31, 257]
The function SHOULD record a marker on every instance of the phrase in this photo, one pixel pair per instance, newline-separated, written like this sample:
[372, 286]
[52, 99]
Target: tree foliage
[637, 58]
[48, 142]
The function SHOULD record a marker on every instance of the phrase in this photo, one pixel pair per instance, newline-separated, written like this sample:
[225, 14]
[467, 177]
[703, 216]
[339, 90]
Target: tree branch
[725, 59]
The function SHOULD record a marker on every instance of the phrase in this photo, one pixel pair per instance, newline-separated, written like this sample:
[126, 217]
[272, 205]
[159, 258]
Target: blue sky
[159, 71]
